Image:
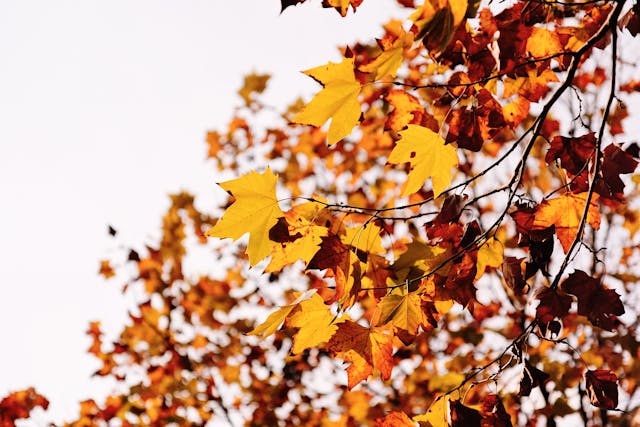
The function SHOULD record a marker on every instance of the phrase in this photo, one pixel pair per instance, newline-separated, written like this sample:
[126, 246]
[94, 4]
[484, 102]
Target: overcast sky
[104, 106]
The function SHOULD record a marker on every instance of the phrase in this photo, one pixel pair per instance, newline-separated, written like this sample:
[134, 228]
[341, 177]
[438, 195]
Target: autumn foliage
[445, 234]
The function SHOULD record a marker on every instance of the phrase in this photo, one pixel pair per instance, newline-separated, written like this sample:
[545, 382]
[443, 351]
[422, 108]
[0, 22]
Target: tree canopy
[446, 234]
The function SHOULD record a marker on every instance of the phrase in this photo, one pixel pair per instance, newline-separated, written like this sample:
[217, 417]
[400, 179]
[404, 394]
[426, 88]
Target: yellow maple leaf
[254, 211]
[420, 258]
[429, 157]
[276, 318]
[304, 247]
[387, 63]
[365, 238]
[402, 311]
[338, 100]
[489, 255]
[438, 413]
[565, 213]
[316, 324]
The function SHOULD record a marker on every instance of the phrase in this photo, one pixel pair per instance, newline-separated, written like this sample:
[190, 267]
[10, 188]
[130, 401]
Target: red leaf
[602, 388]
[463, 416]
[615, 162]
[599, 304]
[554, 304]
[573, 153]
[493, 413]
[532, 377]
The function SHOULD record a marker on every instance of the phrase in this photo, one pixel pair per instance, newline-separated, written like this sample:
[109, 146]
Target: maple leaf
[304, 244]
[436, 22]
[573, 152]
[598, 304]
[533, 86]
[565, 213]
[407, 109]
[429, 157]
[515, 112]
[388, 62]
[489, 255]
[106, 270]
[253, 83]
[602, 388]
[366, 238]
[403, 311]
[420, 258]
[438, 413]
[554, 304]
[338, 100]
[275, 319]
[472, 127]
[336, 256]
[543, 43]
[255, 210]
[395, 419]
[316, 324]
[615, 162]
[365, 349]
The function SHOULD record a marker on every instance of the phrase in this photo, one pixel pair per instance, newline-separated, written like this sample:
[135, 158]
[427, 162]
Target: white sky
[104, 106]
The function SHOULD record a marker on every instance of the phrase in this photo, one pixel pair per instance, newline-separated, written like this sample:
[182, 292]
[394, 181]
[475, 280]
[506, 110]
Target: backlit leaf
[365, 349]
[438, 413]
[387, 63]
[276, 318]
[490, 254]
[565, 213]
[429, 157]
[602, 388]
[255, 210]
[402, 311]
[316, 324]
[338, 100]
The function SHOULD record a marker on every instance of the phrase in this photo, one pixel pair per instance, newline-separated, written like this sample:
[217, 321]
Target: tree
[457, 247]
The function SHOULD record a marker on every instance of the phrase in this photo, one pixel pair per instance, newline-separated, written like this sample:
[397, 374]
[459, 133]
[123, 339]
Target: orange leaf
[395, 419]
[565, 213]
[543, 43]
[365, 349]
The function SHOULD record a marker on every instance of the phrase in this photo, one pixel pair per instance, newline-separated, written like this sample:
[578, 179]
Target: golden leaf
[316, 324]
[254, 211]
[429, 157]
[338, 100]
[276, 318]
[489, 255]
[253, 83]
[302, 248]
[365, 238]
[402, 311]
[387, 63]
[438, 413]
[543, 43]
[565, 213]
